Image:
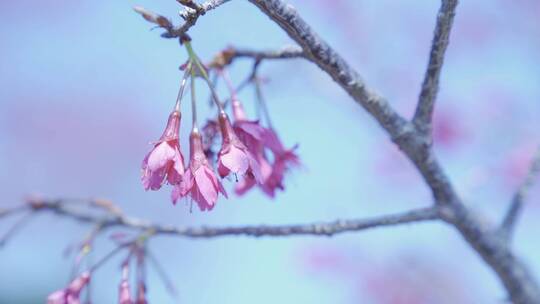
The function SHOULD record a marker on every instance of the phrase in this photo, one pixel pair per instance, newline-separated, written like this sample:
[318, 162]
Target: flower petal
[252, 128]
[160, 155]
[175, 172]
[235, 159]
[205, 186]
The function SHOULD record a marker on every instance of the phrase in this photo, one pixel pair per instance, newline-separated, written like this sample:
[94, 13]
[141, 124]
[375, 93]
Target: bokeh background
[85, 86]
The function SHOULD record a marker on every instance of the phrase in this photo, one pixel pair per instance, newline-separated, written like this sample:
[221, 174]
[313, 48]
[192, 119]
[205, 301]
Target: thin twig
[430, 86]
[190, 16]
[19, 224]
[160, 270]
[323, 228]
[512, 215]
[11, 211]
[286, 52]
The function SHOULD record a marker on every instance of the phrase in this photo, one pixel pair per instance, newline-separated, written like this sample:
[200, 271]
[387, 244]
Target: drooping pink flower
[246, 184]
[251, 133]
[282, 162]
[124, 295]
[272, 174]
[199, 181]
[257, 139]
[234, 157]
[165, 160]
[70, 295]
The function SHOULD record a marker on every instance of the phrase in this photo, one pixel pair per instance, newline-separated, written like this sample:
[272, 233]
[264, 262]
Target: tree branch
[415, 143]
[283, 53]
[412, 137]
[512, 215]
[64, 209]
[319, 52]
[10, 211]
[191, 15]
[424, 110]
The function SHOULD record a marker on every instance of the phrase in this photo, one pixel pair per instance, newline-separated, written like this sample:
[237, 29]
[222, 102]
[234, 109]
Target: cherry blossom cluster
[249, 151]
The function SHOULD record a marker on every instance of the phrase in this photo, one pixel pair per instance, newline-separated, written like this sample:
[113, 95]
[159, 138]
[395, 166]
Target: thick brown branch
[512, 215]
[318, 51]
[60, 207]
[430, 86]
[416, 144]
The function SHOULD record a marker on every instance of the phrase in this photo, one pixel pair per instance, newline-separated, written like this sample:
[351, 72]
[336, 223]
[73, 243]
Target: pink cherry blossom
[257, 139]
[199, 181]
[250, 132]
[282, 163]
[246, 184]
[165, 160]
[272, 174]
[234, 157]
[124, 295]
[70, 295]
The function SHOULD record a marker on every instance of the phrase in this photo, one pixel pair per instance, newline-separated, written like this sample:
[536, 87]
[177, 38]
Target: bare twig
[512, 215]
[283, 53]
[12, 211]
[160, 270]
[229, 55]
[323, 228]
[424, 110]
[19, 224]
[190, 15]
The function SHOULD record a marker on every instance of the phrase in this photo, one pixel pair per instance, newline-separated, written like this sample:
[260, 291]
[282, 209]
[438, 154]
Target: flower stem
[182, 86]
[111, 254]
[225, 75]
[19, 224]
[125, 268]
[193, 57]
[262, 102]
[193, 100]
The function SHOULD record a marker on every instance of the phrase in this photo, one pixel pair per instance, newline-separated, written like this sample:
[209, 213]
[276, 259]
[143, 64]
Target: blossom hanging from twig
[234, 157]
[165, 160]
[199, 182]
